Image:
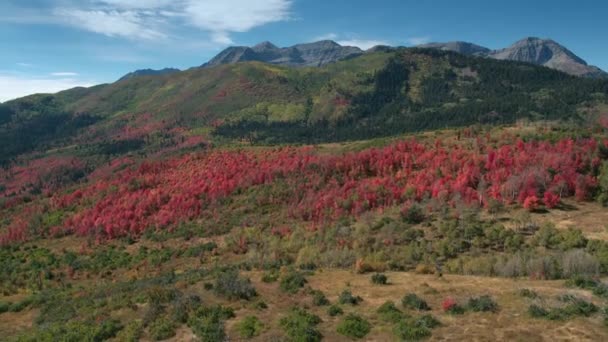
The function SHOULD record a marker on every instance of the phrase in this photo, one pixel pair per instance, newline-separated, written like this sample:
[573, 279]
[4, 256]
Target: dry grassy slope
[512, 323]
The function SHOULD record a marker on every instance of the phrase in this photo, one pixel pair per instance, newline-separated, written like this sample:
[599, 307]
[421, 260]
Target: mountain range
[544, 52]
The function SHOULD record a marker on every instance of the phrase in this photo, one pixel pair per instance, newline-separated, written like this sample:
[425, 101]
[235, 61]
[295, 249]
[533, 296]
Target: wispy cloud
[24, 65]
[225, 16]
[363, 44]
[155, 20]
[112, 23]
[418, 40]
[14, 86]
[64, 74]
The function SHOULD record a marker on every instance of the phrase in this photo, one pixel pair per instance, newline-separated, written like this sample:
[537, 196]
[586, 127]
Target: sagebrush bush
[231, 285]
[482, 304]
[293, 281]
[207, 323]
[249, 327]
[412, 301]
[4, 307]
[354, 326]
[346, 297]
[408, 330]
[162, 329]
[300, 325]
[319, 299]
[334, 310]
[573, 307]
[270, 277]
[379, 279]
[450, 306]
[389, 312]
[527, 293]
[132, 332]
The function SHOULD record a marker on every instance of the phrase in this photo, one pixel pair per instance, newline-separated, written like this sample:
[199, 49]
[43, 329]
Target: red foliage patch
[322, 188]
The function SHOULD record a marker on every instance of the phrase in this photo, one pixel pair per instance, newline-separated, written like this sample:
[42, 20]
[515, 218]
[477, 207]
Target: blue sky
[48, 45]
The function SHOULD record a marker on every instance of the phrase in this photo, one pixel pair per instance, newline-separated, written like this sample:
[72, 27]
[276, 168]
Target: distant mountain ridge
[301, 55]
[545, 52]
[149, 72]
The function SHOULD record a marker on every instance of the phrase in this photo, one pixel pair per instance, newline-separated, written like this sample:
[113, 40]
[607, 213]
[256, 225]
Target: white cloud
[128, 24]
[329, 36]
[418, 40]
[64, 74]
[225, 16]
[154, 20]
[362, 43]
[12, 87]
[25, 65]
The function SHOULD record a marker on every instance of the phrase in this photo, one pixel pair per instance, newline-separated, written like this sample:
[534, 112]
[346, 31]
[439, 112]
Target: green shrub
[574, 307]
[334, 310]
[537, 311]
[249, 327]
[408, 330]
[412, 301]
[132, 332]
[261, 305]
[300, 325]
[379, 279]
[354, 326]
[293, 281]
[207, 323]
[389, 312]
[346, 297]
[231, 285]
[270, 277]
[20, 306]
[413, 214]
[482, 304]
[319, 299]
[527, 293]
[4, 307]
[428, 321]
[182, 308]
[162, 329]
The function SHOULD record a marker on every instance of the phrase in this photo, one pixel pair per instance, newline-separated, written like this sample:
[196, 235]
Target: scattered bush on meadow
[207, 323]
[379, 279]
[162, 329]
[231, 285]
[334, 310]
[250, 327]
[527, 293]
[354, 326]
[318, 298]
[572, 307]
[293, 281]
[412, 301]
[346, 297]
[270, 277]
[300, 325]
[482, 304]
[132, 332]
[388, 312]
[449, 305]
